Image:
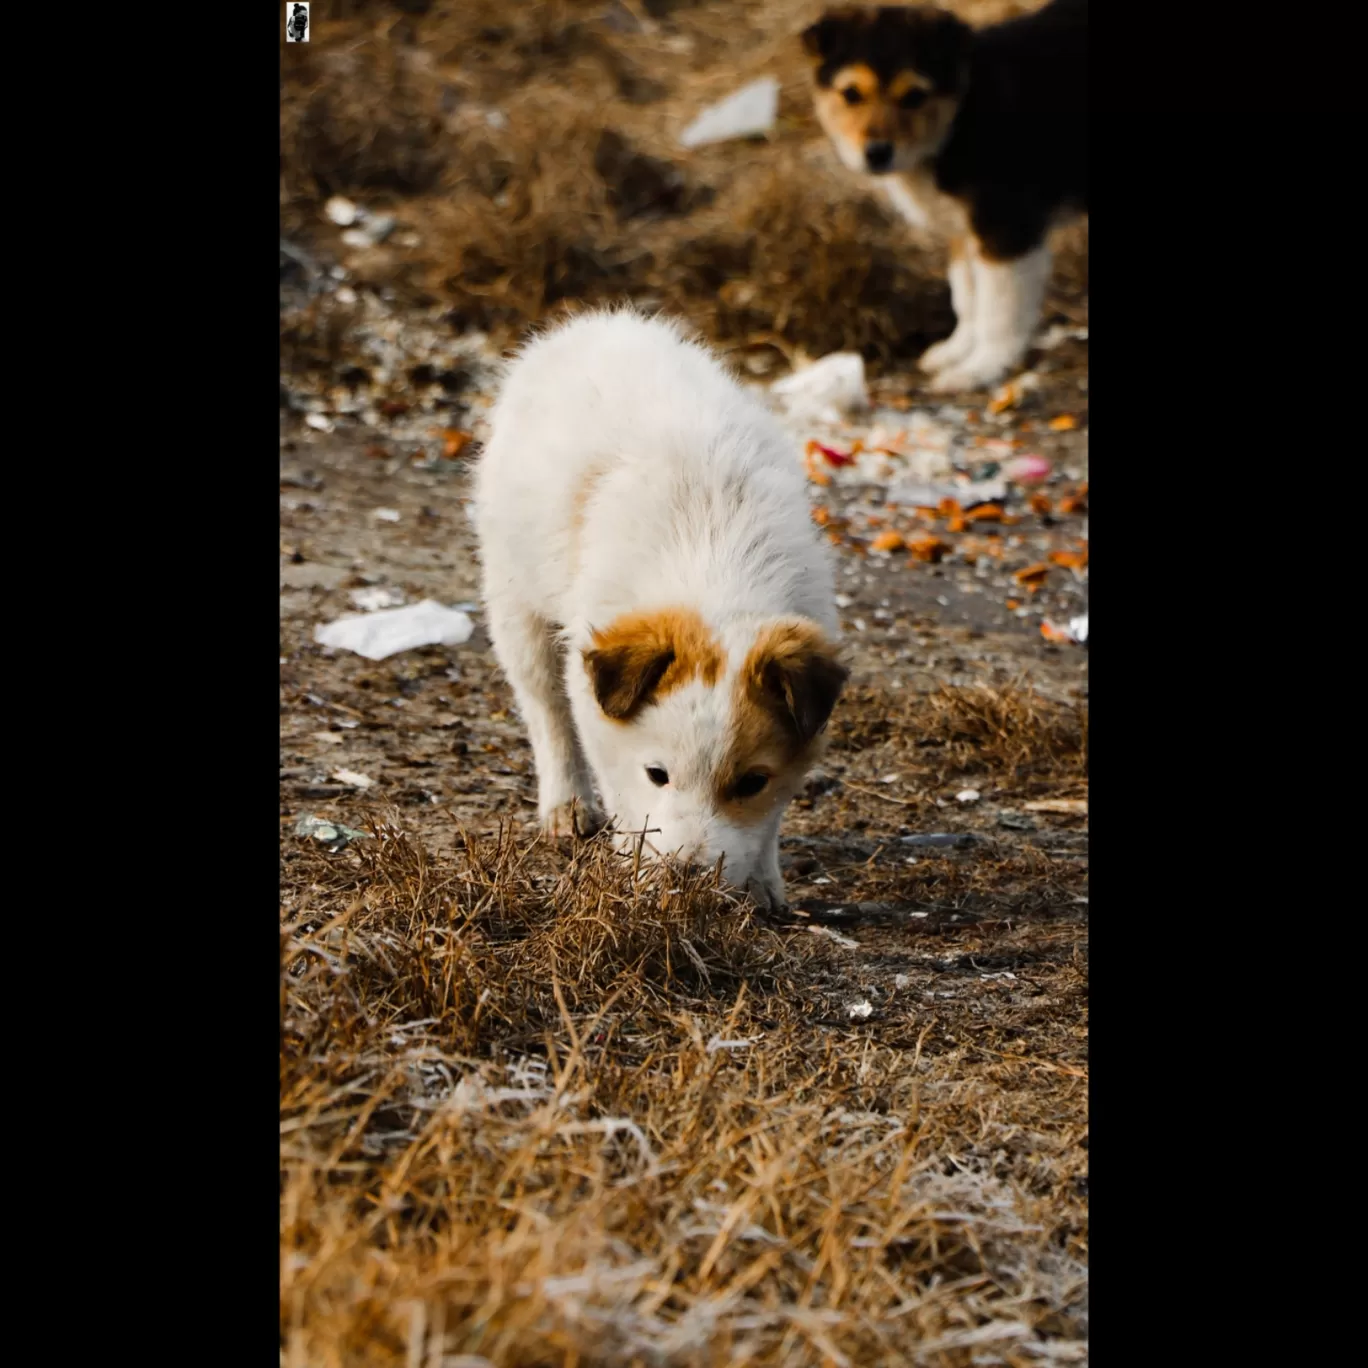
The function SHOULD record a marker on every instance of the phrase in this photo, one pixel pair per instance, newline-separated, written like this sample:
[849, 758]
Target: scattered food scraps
[1013, 392]
[1077, 502]
[830, 454]
[380, 635]
[1032, 576]
[746, 113]
[1040, 503]
[986, 513]
[887, 541]
[1052, 632]
[1066, 422]
[1070, 560]
[455, 441]
[930, 549]
[1029, 469]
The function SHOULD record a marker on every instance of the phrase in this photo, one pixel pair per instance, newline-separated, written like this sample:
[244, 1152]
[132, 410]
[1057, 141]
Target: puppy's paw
[575, 818]
[767, 894]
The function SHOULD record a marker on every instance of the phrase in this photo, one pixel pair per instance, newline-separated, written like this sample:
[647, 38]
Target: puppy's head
[702, 738]
[888, 82]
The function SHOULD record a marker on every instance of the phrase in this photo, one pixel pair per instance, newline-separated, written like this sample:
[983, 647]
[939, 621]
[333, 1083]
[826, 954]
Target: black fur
[1017, 152]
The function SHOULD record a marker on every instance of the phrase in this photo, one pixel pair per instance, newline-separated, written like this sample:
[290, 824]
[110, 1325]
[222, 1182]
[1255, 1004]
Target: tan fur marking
[788, 658]
[860, 76]
[579, 507]
[675, 641]
[905, 81]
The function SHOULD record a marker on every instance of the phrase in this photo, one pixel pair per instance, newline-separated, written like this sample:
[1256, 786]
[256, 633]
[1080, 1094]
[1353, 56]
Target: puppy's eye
[852, 95]
[657, 776]
[914, 99]
[748, 785]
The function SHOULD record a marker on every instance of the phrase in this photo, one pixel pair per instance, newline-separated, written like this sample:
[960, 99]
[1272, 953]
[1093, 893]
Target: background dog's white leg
[960, 342]
[531, 657]
[1008, 297]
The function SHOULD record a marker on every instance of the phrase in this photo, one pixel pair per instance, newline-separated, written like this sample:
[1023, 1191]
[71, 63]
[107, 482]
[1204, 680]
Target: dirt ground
[538, 1106]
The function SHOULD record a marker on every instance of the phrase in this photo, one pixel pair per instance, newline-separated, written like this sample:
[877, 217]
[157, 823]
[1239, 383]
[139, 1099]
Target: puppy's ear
[639, 656]
[796, 673]
[948, 47]
[624, 674]
[821, 40]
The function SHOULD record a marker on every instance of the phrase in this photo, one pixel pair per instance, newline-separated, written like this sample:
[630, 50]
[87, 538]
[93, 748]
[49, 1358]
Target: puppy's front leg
[960, 342]
[527, 649]
[1008, 296]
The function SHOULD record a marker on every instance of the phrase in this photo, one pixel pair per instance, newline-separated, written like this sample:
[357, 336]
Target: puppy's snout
[879, 155]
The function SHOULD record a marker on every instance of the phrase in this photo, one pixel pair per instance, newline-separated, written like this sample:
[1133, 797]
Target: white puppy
[657, 593]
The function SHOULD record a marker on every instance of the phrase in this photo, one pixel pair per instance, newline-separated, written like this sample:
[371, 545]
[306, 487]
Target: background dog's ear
[820, 39]
[799, 676]
[625, 674]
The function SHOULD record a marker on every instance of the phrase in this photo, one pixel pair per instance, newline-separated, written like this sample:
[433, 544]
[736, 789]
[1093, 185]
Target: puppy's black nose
[879, 156]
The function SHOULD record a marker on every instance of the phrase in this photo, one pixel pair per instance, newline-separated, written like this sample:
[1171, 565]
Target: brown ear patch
[792, 670]
[640, 657]
[785, 692]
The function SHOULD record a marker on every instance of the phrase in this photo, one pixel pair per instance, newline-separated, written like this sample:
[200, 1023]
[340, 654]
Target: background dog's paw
[974, 373]
[943, 354]
[574, 819]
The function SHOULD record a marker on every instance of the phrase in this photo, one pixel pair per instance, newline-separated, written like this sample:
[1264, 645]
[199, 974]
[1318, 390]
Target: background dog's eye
[750, 784]
[852, 95]
[914, 99]
[657, 776]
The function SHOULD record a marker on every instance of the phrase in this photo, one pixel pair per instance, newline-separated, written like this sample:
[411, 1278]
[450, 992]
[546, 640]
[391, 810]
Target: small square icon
[296, 22]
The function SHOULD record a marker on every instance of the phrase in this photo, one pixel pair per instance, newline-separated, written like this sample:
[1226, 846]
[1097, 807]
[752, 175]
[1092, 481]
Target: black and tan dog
[980, 135]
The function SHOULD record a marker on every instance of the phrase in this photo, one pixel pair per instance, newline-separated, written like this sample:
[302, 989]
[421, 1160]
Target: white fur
[690, 496]
[960, 343]
[1005, 303]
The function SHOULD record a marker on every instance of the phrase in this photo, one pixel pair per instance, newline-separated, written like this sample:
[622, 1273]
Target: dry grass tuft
[547, 1111]
[1013, 735]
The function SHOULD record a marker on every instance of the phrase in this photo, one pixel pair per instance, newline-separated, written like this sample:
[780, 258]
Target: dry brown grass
[580, 191]
[545, 1109]
[1012, 735]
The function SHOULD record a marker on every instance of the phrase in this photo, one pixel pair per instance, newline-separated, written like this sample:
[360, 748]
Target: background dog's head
[888, 82]
[703, 738]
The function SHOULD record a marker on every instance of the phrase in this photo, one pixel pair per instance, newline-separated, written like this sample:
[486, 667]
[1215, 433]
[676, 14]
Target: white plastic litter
[379, 635]
[353, 779]
[744, 114]
[828, 389]
[1078, 627]
[859, 1011]
[968, 796]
